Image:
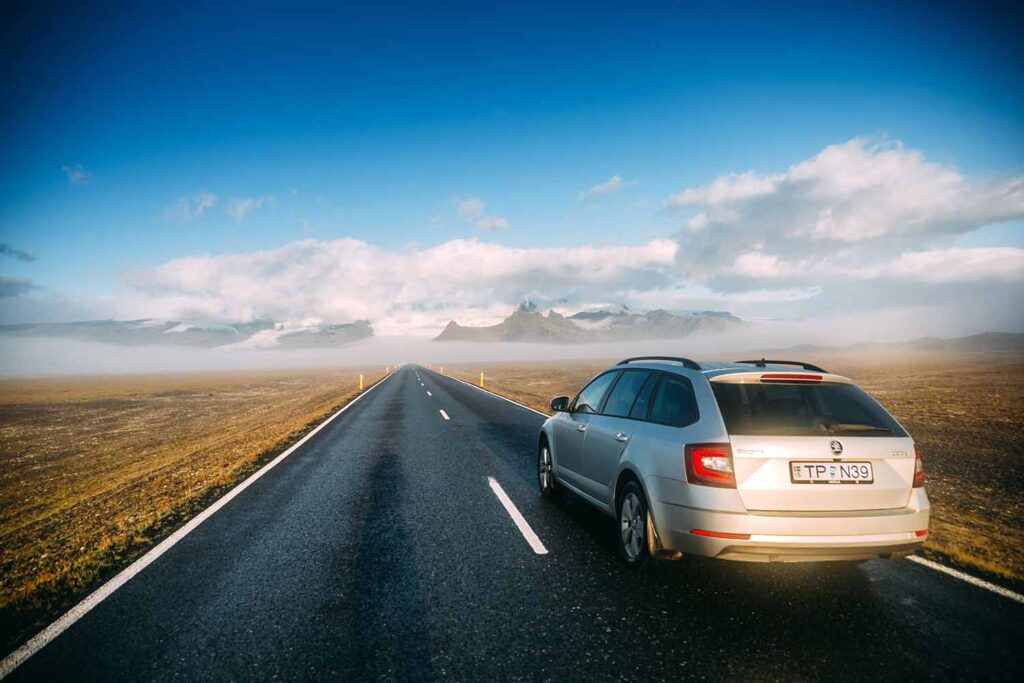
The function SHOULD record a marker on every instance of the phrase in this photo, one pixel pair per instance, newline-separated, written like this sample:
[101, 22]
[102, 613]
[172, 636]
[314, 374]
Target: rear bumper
[785, 537]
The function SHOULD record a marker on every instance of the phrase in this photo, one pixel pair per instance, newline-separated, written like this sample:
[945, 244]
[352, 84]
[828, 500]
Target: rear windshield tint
[802, 410]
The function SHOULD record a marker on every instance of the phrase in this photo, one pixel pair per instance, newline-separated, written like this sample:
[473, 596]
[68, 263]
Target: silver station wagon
[763, 461]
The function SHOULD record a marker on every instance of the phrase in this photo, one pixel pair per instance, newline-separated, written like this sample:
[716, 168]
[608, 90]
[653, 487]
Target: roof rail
[761, 363]
[685, 362]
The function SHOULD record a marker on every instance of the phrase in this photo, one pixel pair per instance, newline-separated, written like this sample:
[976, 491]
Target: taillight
[918, 470]
[710, 464]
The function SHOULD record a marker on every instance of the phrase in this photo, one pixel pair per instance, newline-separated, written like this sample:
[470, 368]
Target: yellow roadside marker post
[481, 380]
[360, 382]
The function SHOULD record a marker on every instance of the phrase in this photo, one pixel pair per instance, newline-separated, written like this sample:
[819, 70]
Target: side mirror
[560, 404]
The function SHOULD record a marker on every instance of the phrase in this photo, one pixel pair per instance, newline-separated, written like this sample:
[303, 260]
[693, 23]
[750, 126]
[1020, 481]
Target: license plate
[831, 473]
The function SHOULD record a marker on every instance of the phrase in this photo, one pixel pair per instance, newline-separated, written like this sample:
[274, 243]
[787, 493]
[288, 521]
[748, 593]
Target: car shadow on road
[784, 620]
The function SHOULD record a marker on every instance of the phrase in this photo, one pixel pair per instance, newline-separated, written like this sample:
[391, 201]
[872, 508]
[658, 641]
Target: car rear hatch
[806, 441]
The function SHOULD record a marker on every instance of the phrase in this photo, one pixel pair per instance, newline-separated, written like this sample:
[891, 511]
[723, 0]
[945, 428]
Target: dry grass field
[97, 469]
[965, 412]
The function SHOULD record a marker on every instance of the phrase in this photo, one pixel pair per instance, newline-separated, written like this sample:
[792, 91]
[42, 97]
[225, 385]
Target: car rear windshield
[819, 409]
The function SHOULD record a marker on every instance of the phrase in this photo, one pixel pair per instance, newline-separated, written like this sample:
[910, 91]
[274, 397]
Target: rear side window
[589, 400]
[674, 403]
[802, 410]
[624, 394]
[643, 401]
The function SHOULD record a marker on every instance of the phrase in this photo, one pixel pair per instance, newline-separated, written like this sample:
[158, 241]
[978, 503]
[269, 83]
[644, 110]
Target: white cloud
[472, 209]
[191, 208]
[754, 264]
[935, 266]
[861, 226]
[491, 223]
[610, 186]
[76, 174]
[725, 189]
[931, 266]
[412, 290]
[702, 296]
[853, 204]
[239, 207]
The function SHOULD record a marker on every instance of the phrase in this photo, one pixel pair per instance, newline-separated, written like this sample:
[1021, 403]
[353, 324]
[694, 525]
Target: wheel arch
[626, 474]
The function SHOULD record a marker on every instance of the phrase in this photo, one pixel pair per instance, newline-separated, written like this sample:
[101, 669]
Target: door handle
[622, 437]
[581, 428]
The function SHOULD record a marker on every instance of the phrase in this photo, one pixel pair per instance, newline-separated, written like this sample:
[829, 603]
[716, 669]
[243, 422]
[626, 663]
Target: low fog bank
[28, 357]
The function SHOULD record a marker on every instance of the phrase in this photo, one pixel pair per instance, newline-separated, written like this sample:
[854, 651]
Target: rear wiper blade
[855, 427]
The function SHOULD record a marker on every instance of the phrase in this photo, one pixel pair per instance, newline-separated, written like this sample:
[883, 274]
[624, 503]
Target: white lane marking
[41, 639]
[445, 415]
[429, 394]
[524, 527]
[973, 580]
[503, 398]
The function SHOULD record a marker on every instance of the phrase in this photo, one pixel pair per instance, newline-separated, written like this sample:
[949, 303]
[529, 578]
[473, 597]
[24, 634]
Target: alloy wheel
[632, 526]
[545, 474]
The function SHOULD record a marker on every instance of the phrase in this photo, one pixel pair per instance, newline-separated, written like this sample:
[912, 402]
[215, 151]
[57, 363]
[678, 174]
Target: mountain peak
[527, 306]
[526, 324]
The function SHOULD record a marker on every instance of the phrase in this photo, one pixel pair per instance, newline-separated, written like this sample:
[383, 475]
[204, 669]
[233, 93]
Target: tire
[631, 513]
[546, 481]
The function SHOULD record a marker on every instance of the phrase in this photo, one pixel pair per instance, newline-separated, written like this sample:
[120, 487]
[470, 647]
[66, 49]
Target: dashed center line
[524, 527]
[445, 415]
[429, 394]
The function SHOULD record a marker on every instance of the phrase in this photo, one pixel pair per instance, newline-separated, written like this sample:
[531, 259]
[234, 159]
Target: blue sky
[376, 123]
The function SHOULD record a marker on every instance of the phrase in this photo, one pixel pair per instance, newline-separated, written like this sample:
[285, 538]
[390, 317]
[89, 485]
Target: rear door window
[625, 392]
[674, 404]
[816, 409]
[589, 400]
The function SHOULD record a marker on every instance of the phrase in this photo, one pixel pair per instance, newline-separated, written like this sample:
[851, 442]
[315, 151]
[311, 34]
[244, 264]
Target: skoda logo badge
[837, 448]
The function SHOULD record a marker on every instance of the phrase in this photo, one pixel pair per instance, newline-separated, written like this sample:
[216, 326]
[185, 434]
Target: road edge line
[66, 620]
[517, 517]
[487, 391]
[968, 578]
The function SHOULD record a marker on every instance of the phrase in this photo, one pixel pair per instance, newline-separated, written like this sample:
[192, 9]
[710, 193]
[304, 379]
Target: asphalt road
[379, 550]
